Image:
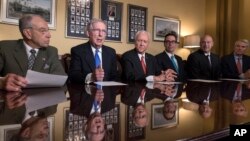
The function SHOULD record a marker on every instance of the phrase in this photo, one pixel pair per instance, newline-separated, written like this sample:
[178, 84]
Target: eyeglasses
[170, 42]
[99, 31]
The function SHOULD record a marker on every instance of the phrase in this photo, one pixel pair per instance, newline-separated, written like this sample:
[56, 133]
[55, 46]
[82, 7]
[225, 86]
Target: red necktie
[143, 65]
[238, 64]
[142, 95]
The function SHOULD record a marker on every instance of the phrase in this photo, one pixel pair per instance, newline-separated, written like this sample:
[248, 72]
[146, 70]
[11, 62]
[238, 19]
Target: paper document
[109, 83]
[204, 80]
[37, 79]
[41, 98]
[166, 82]
[238, 80]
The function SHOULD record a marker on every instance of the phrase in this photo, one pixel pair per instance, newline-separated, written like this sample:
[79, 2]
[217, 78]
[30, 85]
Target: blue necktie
[97, 59]
[175, 65]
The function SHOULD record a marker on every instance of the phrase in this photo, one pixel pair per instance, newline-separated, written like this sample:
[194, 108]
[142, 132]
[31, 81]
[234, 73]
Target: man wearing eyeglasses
[168, 60]
[93, 61]
[203, 64]
[32, 52]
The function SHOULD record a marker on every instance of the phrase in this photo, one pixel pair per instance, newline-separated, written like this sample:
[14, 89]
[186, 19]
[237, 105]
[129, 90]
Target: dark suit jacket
[229, 68]
[198, 66]
[165, 63]
[197, 92]
[83, 62]
[132, 69]
[228, 89]
[14, 59]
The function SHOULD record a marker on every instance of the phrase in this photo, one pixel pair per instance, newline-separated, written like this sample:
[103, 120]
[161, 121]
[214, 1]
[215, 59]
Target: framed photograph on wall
[162, 26]
[111, 13]
[133, 132]
[169, 120]
[78, 13]
[137, 20]
[12, 10]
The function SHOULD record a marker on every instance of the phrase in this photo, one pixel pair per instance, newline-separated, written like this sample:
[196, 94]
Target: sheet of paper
[43, 97]
[37, 79]
[238, 80]
[204, 80]
[165, 82]
[109, 83]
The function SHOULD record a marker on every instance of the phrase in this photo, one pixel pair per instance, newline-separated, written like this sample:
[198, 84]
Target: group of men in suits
[93, 61]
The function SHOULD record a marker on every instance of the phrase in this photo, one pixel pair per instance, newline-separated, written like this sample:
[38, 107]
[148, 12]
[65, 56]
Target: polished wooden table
[137, 111]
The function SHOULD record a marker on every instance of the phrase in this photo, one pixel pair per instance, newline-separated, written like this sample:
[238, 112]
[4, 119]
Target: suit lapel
[21, 57]
[89, 57]
[106, 56]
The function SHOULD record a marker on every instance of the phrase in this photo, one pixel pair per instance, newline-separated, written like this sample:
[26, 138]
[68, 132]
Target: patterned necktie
[31, 58]
[97, 59]
[238, 64]
[143, 65]
[174, 63]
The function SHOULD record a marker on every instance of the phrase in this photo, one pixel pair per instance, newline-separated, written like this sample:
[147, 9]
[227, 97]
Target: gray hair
[25, 21]
[92, 22]
[243, 41]
[140, 32]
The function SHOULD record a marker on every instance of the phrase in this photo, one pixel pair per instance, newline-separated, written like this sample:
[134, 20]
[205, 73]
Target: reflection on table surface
[136, 111]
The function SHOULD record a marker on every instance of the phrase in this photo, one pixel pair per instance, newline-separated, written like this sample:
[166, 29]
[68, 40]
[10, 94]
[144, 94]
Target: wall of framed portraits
[190, 23]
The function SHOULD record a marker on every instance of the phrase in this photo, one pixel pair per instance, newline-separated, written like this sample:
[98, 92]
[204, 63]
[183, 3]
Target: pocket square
[46, 66]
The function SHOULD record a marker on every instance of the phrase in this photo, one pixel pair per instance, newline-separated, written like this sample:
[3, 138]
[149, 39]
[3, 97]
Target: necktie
[31, 58]
[96, 105]
[209, 60]
[174, 63]
[143, 65]
[142, 95]
[97, 59]
[238, 90]
[238, 64]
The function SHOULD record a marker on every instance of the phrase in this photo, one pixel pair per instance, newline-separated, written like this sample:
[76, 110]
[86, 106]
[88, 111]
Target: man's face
[206, 44]
[97, 130]
[140, 116]
[170, 44]
[40, 130]
[142, 42]
[240, 48]
[97, 34]
[39, 35]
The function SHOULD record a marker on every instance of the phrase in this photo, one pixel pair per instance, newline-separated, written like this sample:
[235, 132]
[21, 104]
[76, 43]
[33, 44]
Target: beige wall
[190, 12]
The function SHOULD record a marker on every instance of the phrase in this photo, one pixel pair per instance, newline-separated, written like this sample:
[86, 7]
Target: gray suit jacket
[14, 59]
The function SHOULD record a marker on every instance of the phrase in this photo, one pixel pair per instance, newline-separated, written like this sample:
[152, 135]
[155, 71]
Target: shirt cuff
[150, 78]
[89, 79]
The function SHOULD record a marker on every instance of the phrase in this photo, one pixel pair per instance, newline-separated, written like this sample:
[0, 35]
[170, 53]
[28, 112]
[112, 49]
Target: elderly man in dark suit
[237, 65]
[31, 52]
[141, 66]
[203, 64]
[168, 60]
[93, 61]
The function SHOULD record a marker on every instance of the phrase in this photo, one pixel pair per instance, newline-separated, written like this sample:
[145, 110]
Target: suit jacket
[229, 68]
[132, 69]
[228, 89]
[83, 62]
[132, 93]
[198, 66]
[165, 63]
[14, 59]
[197, 92]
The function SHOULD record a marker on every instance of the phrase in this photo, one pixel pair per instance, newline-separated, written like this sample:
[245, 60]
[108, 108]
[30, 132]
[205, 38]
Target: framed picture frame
[132, 131]
[111, 13]
[12, 10]
[137, 20]
[162, 26]
[78, 15]
[167, 121]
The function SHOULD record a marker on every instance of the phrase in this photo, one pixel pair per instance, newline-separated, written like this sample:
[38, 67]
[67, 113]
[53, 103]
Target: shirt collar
[28, 48]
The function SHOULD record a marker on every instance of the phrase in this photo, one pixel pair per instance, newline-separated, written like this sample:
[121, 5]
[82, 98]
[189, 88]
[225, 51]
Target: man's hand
[13, 82]
[98, 74]
[170, 75]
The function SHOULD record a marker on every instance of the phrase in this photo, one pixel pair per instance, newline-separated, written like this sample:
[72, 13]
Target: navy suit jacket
[132, 69]
[229, 68]
[198, 66]
[165, 63]
[83, 62]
